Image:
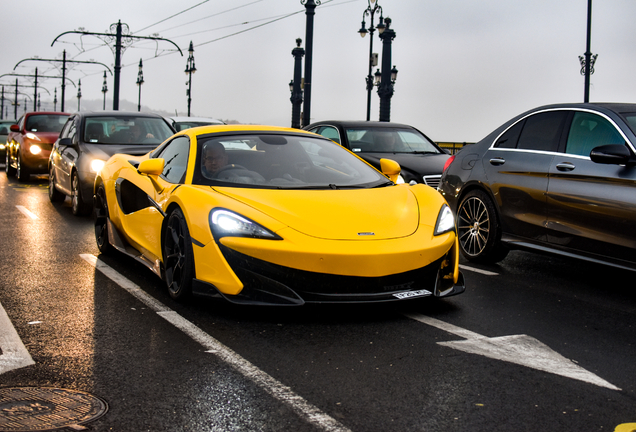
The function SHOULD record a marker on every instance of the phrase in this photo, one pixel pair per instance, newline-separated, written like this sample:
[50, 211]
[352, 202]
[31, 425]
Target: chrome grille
[432, 180]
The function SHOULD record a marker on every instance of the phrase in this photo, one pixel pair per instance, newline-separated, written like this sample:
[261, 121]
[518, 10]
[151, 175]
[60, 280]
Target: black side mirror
[66, 142]
[611, 154]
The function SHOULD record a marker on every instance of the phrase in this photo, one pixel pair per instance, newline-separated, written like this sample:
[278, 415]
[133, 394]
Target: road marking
[26, 212]
[14, 353]
[476, 270]
[275, 388]
[519, 349]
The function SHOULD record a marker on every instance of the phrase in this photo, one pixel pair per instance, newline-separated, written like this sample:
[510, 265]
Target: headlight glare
[97, 165]
[34, 149]
[445, 221]
[225, 223]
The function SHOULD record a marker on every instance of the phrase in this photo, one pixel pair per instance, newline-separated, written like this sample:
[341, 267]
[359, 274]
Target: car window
[280, 162]
[45, 123]
[175, 155]
[510, 137]
[588, 131]
[125, 130]
[542, 131]
[631, 120]
[389, 140]
[331, 133]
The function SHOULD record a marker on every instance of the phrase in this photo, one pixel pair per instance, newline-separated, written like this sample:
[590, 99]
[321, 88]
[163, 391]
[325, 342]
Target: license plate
[410, 294]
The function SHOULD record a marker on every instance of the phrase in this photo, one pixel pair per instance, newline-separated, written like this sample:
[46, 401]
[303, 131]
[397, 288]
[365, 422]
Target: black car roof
[117, 114]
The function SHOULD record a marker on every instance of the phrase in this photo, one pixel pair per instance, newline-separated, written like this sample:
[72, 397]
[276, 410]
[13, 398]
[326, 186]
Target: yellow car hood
[366, 214]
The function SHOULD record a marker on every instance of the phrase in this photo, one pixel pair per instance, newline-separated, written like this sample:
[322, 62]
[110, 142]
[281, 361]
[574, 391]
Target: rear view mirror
[151, 167]
[14, 128]
[390, 168]
[612, 154]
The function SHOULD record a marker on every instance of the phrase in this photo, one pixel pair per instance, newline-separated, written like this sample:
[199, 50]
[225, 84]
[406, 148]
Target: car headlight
[225, 223]
[97, 165]
[32, 136]
[34, 149]
[445, 221]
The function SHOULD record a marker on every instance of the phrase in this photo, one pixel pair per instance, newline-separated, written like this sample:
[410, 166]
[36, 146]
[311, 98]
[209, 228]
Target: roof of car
[197, 119]
[360, 123]
[116, 113]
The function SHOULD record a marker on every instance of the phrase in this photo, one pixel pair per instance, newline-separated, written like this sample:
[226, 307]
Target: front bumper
[272, 284]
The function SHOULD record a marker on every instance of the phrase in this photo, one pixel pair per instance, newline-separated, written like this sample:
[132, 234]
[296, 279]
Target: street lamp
[388, 75]
[373, 58]
[295, 85]
[189, 70]
[79, 93]
[104, 90]
[587, 62]
[55, 99]
[140, 81]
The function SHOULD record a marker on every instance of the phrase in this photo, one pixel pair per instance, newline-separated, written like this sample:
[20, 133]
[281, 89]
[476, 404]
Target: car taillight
[448, 162]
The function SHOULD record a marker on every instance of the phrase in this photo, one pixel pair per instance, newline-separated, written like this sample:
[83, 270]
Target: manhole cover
[41, 409]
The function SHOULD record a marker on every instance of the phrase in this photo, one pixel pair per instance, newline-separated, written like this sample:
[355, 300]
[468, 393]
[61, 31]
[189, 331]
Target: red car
[30, 141]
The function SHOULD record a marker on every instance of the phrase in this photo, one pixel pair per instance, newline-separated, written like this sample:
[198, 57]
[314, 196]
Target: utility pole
[118, 35]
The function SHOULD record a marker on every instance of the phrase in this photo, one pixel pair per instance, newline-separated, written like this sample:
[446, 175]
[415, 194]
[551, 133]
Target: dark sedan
[88, 140]
[558, 179]
[420, 158]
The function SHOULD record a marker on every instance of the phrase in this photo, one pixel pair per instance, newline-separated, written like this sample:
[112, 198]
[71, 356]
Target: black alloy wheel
[79, 206]
[478, 229]
[8, 169]
[54, 194]
[178, 256]
[101, 222]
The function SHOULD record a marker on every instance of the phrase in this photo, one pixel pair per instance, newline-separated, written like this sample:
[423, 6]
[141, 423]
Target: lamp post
[189, 70]
[79, 93]
[373, 58]
[140, 81]
[587, 62]
[295, 86]
[104, 90]
[310, 11]
[55, 99]
[385, 87]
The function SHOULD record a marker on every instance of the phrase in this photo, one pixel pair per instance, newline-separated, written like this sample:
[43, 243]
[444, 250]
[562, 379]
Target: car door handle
[497, 161]
[565, 166]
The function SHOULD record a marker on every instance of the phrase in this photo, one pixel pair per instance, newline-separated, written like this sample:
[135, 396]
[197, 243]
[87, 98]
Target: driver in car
[215, 166]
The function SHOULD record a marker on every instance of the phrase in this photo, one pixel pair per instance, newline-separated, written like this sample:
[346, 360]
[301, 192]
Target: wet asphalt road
[315, 368]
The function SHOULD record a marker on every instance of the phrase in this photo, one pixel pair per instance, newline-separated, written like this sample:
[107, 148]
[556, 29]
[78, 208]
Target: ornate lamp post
[140, 81]
[587, 62]
[79, 94]
[385, 87]
[310, 11]
[189, 70]
[373, 58]
[295, 86]
[104, 90]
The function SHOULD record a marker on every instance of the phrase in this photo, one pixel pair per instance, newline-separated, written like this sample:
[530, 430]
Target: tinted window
[588, 131]
[126, 130]
[45, 123]
[510, 137]
[280, 162]
[331, 133]
[389, 140]
[176, 156]
[542, 131]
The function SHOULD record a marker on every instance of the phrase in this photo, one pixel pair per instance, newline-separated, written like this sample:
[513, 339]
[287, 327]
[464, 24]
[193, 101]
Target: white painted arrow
[519, 349]
[14, 354]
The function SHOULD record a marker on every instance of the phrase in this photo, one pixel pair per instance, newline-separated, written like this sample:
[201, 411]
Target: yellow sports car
[270, 215]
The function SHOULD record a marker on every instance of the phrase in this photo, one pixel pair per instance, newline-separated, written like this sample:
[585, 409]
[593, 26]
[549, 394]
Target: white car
[182, 123]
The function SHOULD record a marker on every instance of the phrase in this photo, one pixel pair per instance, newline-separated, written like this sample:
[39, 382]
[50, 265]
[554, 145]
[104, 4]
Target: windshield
[281, 162]
[182, 125]
[389, 140]
[45, 122]
[126, 130]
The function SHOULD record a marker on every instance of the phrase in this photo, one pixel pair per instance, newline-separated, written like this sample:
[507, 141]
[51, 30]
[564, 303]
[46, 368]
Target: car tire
[22, 172]
[478, 229]
[178, 256]
[79, 206]
[101, 222]
[8, 169]
[54, 195]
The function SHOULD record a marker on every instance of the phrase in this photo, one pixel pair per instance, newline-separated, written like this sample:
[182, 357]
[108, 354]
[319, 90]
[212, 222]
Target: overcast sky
[465, 66]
